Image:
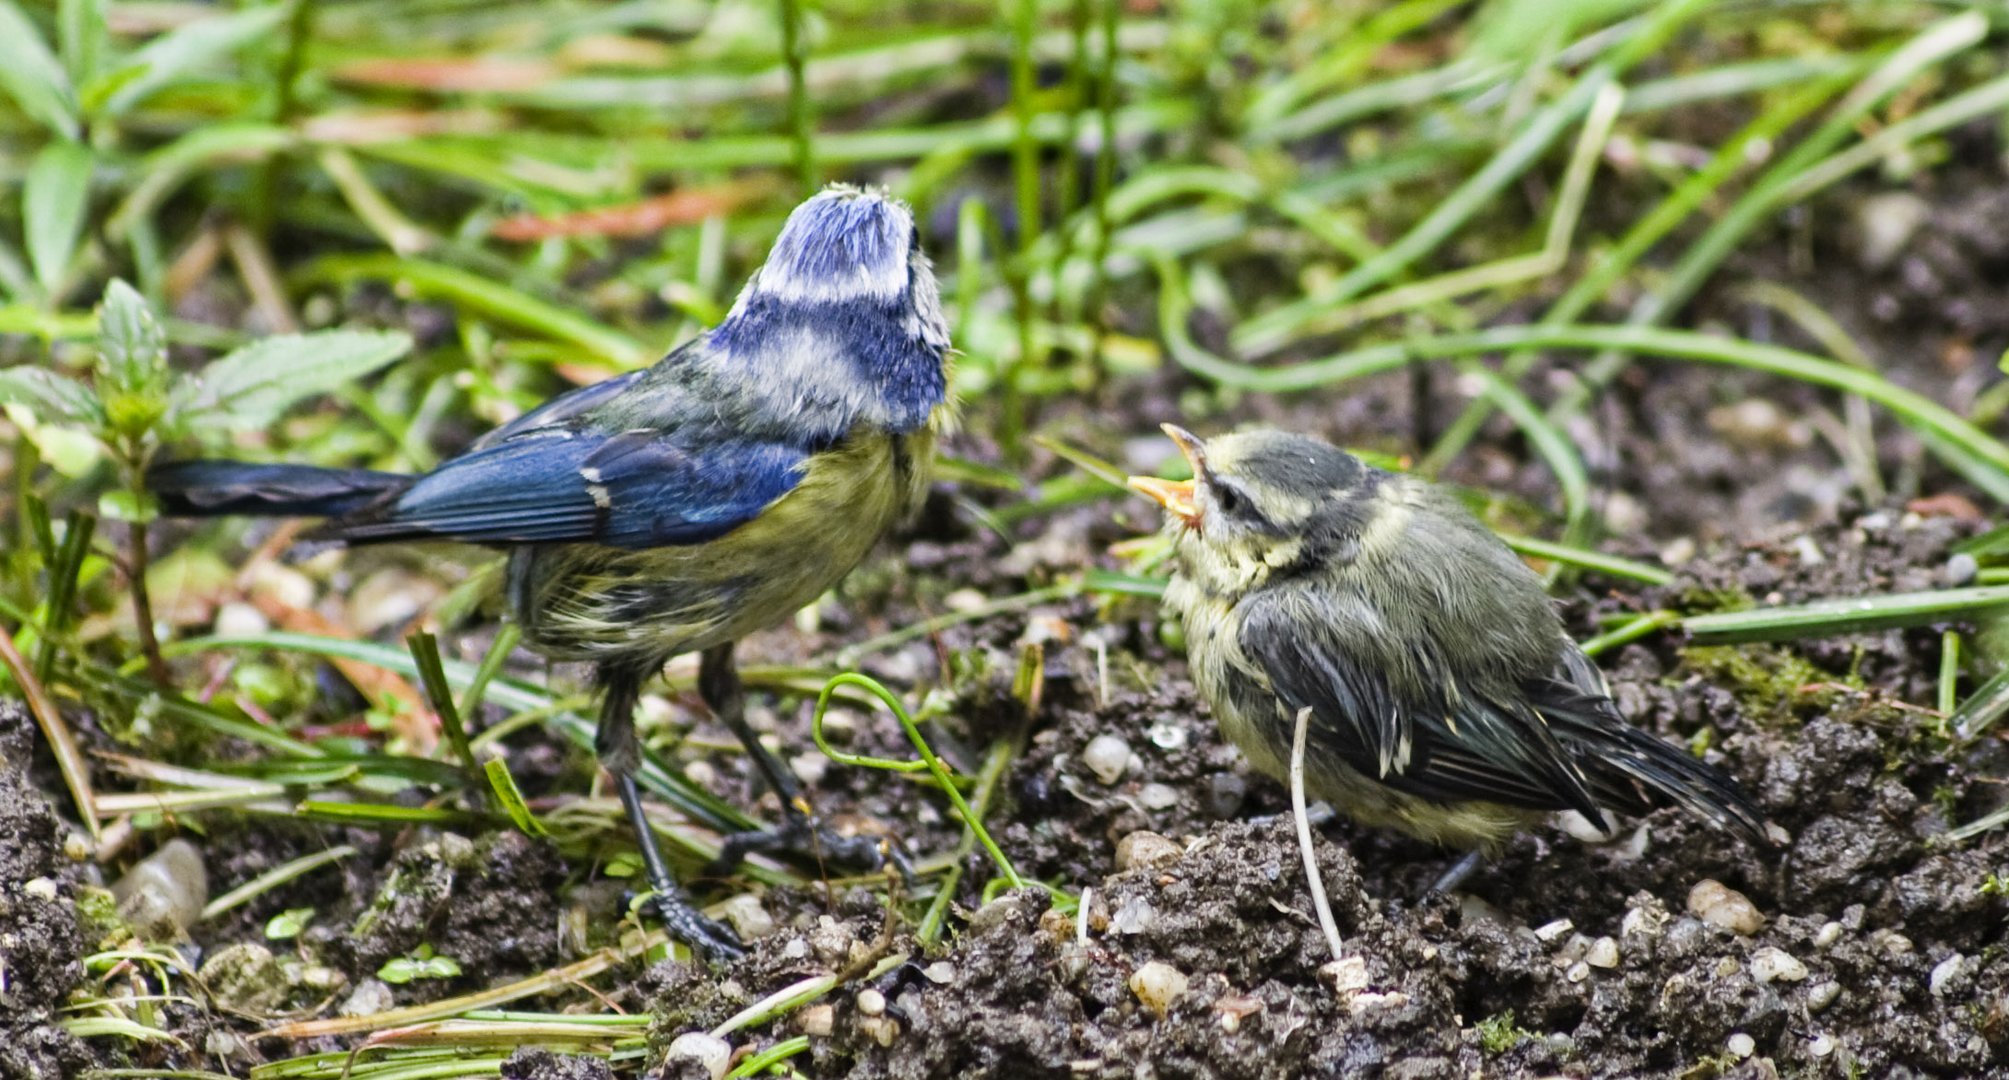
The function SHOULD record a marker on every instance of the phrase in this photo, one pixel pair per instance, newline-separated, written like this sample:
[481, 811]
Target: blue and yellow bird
[678, 508]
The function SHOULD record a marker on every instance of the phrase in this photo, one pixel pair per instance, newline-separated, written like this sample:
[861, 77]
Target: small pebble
[1133, 917]
[1645, 922]
[1776, 965]
[1225, 793]
[1828, 934]
[239, 619]
[871, 1002]
[1945, 972]
[1347, 976]
[1678, 552]
[1741, 1045]
[809, 767]
[1720, 905]
[1822, 994]
[1235, 1008]
[1959, 570]
[1158, 796]
[816, 1021]
[1603, 953]
[1158, 985]
[41, 888]
[1894, 943]
[748, 916]
[165, 892]
[1108, 757]
[883, 1030]
[710, 1051]
[1821, 1046]
[1144, 849]
[1368, 1001]
[941, 973]
[1548, 932]
[370, 997]
[1166, 734]
[1577, 972]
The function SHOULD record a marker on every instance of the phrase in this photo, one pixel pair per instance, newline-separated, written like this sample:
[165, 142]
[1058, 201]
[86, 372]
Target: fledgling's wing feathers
[1452, 743]
[634, 489]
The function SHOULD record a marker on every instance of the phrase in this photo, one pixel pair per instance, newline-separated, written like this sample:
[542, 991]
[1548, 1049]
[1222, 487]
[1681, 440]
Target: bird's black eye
[1230, 500]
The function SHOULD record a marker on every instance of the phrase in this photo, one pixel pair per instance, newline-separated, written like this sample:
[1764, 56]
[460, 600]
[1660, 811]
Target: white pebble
[1368, 1000]
[1646, 922]
[747, 915]
[1741, 1045]
[941, 973]
[239, 619]
[1134, 917]
[710, 1051]
[1776, 965]
[1108, 757]
[1603, 953]
[1720, 905]
[1347, 975]
[1167, 734]
[1828, 934]
[1822, 994]
[1578, 972]
[168, 886]
[880, 1029]
[1894, 943]
[1945, 972]
[1548, 932]
[1158, 985]
[871, 1002]
[809, 767]
[1821, 1046]
[40, 888]
[1158, 796]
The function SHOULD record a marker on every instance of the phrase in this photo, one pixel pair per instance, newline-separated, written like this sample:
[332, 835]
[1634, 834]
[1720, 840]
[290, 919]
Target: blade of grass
[1845, 615]
[271, 879]
[69, 760]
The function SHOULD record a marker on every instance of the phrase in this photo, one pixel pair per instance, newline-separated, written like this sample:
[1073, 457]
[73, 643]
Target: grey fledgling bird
[1445, 699]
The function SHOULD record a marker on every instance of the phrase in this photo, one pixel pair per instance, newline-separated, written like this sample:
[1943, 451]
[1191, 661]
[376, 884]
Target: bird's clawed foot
[709, 938]
[805, 835]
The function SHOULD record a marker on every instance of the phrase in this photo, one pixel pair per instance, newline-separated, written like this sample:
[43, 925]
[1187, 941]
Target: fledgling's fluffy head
[1260, 502]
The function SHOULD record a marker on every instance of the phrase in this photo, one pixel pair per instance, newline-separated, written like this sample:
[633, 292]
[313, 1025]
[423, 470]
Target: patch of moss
[1769, 682]
[1499, 1034]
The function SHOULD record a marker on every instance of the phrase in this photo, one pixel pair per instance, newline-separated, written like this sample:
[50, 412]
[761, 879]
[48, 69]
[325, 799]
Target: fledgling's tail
[219, 488]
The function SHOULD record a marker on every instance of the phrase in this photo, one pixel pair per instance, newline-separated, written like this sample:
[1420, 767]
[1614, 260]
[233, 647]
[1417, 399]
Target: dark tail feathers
[216, 488]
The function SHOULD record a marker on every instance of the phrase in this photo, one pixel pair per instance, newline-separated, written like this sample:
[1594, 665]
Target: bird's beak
[1177, 496]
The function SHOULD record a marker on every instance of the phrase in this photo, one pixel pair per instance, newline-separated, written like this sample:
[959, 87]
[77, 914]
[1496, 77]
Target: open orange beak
[1177, 496]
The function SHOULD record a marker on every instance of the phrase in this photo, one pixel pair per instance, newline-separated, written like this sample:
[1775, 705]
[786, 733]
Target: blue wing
[634, 489]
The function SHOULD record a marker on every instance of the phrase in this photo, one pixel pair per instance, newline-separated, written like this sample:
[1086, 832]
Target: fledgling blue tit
[677, 508]
[1446, 701]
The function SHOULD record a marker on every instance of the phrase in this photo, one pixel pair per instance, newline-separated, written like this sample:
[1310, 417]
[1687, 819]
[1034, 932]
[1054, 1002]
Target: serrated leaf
[253, 385]
[52, 208]
[30, 74]
[51, 397]
[184, 51]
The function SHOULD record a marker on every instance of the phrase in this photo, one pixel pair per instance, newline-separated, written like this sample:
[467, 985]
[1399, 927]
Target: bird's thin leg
[1459, 873]
[799, 832]
[621, 753]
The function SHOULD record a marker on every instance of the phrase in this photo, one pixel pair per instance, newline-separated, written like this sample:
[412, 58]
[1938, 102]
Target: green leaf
[181, 53]
[52, 208]
[31, 76]
[250, 387]
[128, 506]
[511, 798]
[81, 33]
[72, 452]
[51, 397]
[288, 923]
[420, 965]
[133, 375]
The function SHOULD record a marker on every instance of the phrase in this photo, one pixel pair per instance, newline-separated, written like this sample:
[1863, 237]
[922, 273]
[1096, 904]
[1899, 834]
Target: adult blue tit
[1445, 699]
[677, 508]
